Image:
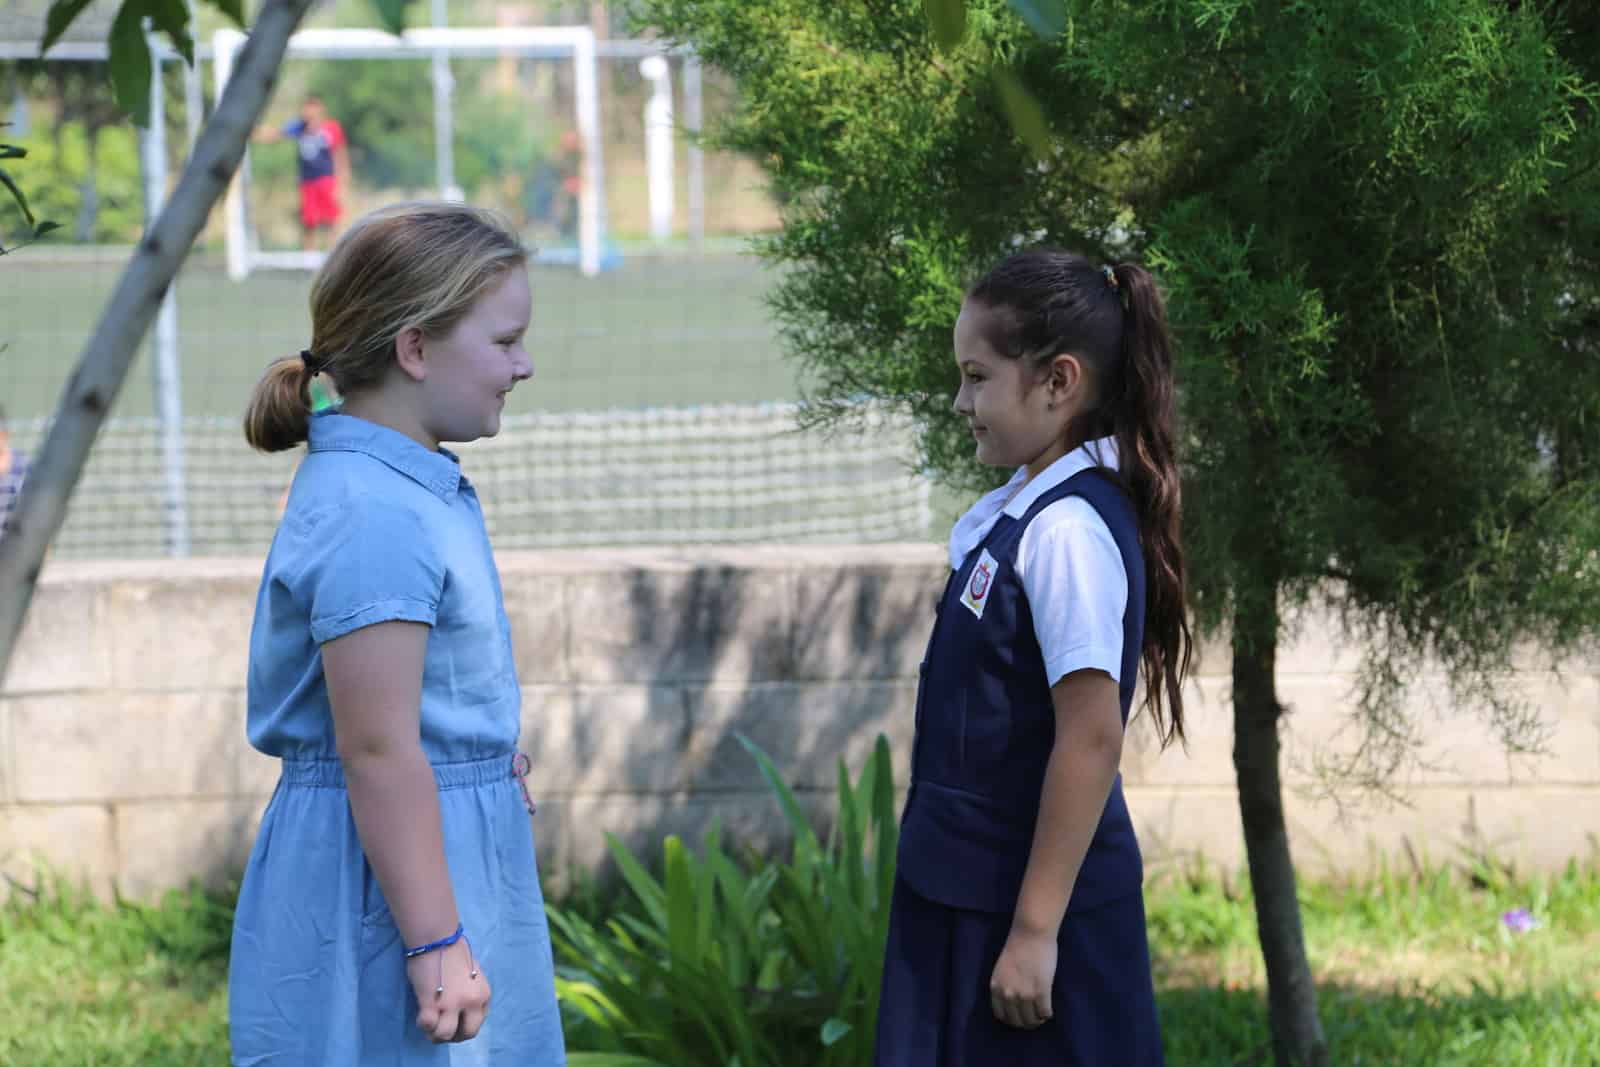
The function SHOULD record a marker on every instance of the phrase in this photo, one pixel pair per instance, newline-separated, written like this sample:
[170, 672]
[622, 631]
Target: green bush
[58, 172]
[501, 144]
[741, 962]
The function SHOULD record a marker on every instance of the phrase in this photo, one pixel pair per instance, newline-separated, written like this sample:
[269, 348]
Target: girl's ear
[1064, 377]
[409, 355]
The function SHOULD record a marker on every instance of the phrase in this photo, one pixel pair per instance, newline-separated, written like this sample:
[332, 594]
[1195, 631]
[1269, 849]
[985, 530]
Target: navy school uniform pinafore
[984, 732]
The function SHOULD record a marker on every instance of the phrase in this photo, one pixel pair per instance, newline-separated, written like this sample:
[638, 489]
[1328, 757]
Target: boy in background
[324, 169]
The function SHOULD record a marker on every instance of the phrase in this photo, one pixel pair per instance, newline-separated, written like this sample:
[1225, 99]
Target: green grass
[1414, 969]
[130, 984]
[653, 332]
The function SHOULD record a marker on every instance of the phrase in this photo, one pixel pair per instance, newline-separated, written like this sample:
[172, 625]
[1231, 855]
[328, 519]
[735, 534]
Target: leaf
[649, 892]
[705, 901]
[16, 194]
[852, 850]
[171, 17]
[130, 61]
[833, 1030]
[233, 9]
[45, 227]
[1026, 116]
[1046, 17]
[792, 811]
[392, 14]
[886, 825]
[680, 903]
[61, 16]
[12, 151]
[948, 19]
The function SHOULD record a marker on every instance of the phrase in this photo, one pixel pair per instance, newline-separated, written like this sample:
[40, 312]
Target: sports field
[652, 332]
[658, 413]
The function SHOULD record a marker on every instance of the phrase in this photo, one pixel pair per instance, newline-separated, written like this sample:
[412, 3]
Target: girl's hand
[458, 1013]
[1019, 989]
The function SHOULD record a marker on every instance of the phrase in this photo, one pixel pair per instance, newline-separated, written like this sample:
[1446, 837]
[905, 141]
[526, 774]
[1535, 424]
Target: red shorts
[319, 202]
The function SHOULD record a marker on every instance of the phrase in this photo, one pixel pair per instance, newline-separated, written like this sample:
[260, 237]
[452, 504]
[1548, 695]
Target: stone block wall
[123, 759]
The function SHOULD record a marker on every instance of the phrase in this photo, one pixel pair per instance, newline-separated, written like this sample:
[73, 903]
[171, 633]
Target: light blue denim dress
[379, 528]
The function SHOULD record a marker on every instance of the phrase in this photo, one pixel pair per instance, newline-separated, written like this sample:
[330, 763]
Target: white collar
[1099, 452]
[975, 525]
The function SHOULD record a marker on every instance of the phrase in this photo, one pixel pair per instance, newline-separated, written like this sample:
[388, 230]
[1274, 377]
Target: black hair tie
[310, 361]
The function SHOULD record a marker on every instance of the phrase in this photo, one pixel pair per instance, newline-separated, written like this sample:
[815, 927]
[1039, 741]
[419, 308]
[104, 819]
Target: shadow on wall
[811, 665]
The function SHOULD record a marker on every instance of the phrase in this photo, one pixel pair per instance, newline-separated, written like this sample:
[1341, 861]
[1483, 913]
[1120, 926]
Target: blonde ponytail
[279, 415]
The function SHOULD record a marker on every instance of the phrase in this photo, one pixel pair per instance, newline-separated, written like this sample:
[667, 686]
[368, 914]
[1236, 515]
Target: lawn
[1415, 969]
[653, 332]
[620, 437]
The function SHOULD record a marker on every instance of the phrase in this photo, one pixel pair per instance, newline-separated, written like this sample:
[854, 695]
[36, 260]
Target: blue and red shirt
[316, 146]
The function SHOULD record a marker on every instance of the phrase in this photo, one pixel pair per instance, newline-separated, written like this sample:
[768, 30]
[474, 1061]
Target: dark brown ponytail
[1144, 416]
[1047, 302]
[279, 414]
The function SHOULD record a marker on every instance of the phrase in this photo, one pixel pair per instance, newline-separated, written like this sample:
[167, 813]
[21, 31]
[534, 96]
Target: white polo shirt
[1067, 561]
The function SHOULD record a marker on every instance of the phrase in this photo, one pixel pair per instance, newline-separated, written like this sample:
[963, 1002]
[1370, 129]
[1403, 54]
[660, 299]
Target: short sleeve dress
[379, 528]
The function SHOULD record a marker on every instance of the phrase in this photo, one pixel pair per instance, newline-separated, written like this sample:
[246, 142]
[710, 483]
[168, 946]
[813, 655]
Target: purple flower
[1519, 920]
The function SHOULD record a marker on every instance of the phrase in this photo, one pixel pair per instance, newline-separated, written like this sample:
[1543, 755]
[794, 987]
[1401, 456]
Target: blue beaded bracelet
[443, 942]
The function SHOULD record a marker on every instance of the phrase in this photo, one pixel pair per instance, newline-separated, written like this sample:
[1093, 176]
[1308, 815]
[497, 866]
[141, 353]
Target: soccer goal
[565, 44]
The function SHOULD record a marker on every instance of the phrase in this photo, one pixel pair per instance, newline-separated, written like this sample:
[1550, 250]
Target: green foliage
[1415, 966]
[1377, 227]
[120, 985]
[1417, 969]
[724, 962]
[130, 62]
[948, 20]
[61, 163]
[902, 177]
[35, 227]
[500, 141]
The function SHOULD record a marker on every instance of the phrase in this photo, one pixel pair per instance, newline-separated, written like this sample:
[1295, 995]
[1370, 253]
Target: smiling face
[472, 368]
[1018, 412]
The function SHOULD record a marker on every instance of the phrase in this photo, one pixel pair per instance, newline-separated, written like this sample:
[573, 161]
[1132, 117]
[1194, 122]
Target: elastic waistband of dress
[329, 773]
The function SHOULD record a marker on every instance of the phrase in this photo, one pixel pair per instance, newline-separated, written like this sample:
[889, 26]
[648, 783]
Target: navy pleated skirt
[934, 1010]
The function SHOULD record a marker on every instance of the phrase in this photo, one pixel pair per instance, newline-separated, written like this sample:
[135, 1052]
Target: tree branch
[104, 363]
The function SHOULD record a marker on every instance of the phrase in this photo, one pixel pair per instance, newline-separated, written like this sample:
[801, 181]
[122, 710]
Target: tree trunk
[1297, 1039]
[104, 363]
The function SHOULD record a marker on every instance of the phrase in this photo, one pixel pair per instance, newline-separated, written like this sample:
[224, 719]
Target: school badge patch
[976, 595]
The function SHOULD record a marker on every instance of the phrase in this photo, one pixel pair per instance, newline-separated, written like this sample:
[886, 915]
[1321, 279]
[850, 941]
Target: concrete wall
[123, 759]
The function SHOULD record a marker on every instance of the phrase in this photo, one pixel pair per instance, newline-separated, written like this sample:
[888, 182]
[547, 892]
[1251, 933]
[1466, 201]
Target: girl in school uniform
[393, 876]
[1017, 930]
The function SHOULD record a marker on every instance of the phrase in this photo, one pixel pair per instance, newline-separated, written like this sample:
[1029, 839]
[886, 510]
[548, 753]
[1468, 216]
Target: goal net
[723, 474]
[562, 101]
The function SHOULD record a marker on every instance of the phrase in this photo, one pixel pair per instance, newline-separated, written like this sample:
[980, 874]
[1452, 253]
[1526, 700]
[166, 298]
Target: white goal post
[576, 43]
